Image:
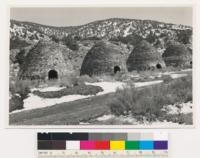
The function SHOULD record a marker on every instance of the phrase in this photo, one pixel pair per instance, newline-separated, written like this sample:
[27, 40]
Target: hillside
[79, 39]
[106, 29]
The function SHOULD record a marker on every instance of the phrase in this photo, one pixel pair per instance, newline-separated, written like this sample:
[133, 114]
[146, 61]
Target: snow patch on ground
[142, 84]
[174, 76]
[84, 123]
[108, 87]
[183, 108]
[130, 120]
[165, 123]
[47, 89]
[127, 31]
[105, 117]
[177, 74]
[35, 102]
[186, 70]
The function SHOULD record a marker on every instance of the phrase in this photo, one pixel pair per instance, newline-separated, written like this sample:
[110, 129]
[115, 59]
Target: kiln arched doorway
[116, 69]
[52, 75]
[159, 66]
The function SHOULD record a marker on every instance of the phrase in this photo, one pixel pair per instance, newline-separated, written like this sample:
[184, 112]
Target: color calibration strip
[123, 144]
[103, 145]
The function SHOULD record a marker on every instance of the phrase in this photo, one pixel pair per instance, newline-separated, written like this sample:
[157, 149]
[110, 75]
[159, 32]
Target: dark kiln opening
[52, 75]
[158, 66]
[116, 69]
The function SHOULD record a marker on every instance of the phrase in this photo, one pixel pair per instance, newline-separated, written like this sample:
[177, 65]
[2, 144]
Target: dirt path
[65, 113]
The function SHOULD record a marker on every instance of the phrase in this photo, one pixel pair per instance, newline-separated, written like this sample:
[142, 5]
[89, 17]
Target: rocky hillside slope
[107, 29]
[124, 32]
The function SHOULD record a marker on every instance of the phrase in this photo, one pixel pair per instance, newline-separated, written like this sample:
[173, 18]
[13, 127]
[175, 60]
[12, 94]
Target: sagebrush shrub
[104, 77]
[166, 78]
[15, 103]
[21, 87]
[71, 43]
[148, 102]
[86, 78]
[19, 91]
[70, 81]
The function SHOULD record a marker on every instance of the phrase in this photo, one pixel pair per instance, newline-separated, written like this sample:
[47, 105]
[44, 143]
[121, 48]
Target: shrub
[104, 77]
[55, 38]
[166, 78]
[132, 39]
[151, 38]
[121, 106]
[120, 76]
[170, 68]
[92, 38]
[70, 81]
[186, 119]
[37, 82]
[20, 57]
[147, 74]
[19, 91]
[70, 42]
[18, 43]
[139, 102]
[86, 78]
[182, 88]
[65, 82]
[15, 103]
[148, 102]
[21, 87]
[80, 89]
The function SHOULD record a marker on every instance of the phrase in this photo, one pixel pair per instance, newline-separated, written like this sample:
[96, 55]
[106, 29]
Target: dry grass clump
[15, 103]
[167, 78]
[75, 80]
[119, 76]
[71, 43]
[104, 77]
[186, 119]
[148, 103]
[171, 68]
[86, 78]
[69, 81]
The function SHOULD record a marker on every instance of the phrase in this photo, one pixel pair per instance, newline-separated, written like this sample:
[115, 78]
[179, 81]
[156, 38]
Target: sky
[82, 15]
